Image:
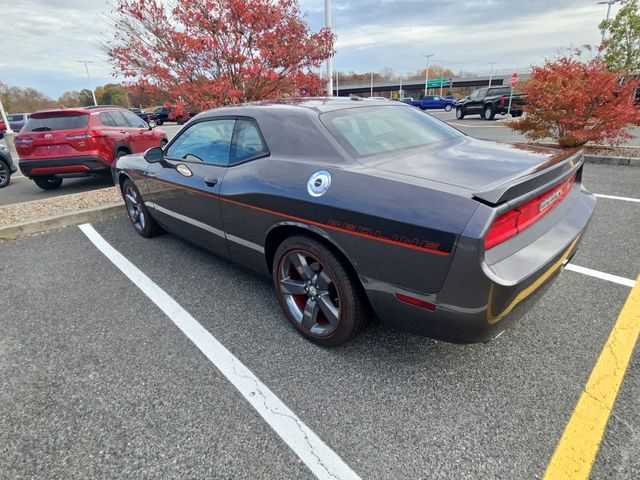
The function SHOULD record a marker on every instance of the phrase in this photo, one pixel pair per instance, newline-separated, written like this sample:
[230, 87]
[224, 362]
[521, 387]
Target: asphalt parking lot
[97, 380]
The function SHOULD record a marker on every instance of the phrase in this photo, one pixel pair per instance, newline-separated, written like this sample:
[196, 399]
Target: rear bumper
[478, 300]
[65, 166]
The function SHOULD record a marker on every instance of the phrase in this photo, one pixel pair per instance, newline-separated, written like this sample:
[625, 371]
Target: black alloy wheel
[137, 211]
[316, 292]
[5, 174]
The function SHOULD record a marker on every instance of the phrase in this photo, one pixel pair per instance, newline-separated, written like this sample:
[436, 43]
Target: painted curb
[11, 232]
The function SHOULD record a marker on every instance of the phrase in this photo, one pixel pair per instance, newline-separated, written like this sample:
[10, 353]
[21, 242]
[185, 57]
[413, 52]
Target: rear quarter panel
[390, 231]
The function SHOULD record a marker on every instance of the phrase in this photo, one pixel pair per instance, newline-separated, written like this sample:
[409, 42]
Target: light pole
[426, 76]
[491, 74]
[86, 67]
[608, 3]
[371, 94]
[401, 92]
[337, 84]
[327, 19]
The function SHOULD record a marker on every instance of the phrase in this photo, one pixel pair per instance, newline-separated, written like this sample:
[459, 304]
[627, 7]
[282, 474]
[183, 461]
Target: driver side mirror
[154, 155]
[152, 124]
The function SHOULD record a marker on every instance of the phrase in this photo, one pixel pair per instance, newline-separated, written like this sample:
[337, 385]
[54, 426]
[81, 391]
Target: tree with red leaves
[576, 101]
[206, 53]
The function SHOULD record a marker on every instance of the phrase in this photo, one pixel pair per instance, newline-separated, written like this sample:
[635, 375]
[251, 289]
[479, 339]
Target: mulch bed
[26, 211]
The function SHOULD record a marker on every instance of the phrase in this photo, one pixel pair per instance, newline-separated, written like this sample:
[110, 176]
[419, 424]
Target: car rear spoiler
[544, 176]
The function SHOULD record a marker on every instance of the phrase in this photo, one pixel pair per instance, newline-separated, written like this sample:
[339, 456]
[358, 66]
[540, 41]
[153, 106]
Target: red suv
[78, 142]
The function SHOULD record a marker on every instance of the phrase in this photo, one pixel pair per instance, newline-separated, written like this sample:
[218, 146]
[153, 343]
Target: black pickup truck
[489, 101]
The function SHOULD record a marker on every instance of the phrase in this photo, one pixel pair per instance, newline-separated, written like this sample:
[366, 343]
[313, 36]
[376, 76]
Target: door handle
[210, 181]
[123, 131]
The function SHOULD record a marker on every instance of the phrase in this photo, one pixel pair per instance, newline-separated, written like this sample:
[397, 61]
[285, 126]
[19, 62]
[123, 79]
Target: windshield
[61, 122]
[364, 132]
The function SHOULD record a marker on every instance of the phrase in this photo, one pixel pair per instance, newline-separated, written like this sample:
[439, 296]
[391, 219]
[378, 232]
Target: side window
[247, 142]
[134, 120]
[208, 142]
[105, 119]
[118, 118]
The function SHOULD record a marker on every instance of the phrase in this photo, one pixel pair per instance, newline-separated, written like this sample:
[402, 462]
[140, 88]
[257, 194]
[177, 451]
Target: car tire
[516, 114]
[318, 295]
[488, 113]
[459, 113]
[48, 182]
[137, 211]
[5, 174]
[447, 108]
[159, 122]
[180, 121]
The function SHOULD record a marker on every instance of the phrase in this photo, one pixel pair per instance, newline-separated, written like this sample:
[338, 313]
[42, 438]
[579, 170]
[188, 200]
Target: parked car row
[486, 102]
[164, 114]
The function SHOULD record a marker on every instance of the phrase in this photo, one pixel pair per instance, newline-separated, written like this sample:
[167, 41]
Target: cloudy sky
[47, 37]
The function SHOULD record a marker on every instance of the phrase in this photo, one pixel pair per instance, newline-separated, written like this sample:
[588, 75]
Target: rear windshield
[62, 122]
[368, 131]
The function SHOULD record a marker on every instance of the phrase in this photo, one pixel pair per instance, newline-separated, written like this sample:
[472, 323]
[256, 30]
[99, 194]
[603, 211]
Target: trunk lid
[494, 172]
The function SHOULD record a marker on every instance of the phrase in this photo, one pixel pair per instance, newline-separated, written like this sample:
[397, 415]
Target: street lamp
[608, 3]
[86, 62]
[327, 19]
[491, 74]
[426, 76]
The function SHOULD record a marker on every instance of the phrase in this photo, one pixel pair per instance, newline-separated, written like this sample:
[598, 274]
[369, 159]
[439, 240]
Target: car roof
[78, 110]
[309, 104]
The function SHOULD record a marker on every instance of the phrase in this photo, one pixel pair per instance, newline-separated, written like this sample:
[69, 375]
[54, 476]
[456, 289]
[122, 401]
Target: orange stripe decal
[304, 220]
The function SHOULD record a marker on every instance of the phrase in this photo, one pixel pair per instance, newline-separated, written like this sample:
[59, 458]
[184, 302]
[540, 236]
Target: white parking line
[614, 197]
[316, 455]
[602, 275]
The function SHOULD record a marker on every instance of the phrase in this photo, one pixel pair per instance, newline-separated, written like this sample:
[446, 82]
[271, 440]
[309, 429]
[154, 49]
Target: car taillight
[502, 100]
[22, 140]
[515, 221]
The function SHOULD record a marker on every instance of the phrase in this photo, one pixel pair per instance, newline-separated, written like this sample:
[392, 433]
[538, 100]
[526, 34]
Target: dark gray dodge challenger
[366, 207]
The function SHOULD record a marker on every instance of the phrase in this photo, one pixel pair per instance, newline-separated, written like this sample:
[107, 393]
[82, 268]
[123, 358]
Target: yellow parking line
[579, 444]
[475, 126]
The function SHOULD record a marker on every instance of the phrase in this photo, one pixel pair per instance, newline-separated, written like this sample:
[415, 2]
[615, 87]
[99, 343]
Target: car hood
[470, 163]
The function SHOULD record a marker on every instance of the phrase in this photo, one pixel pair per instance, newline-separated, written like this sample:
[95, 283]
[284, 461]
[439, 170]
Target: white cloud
[48, 36]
